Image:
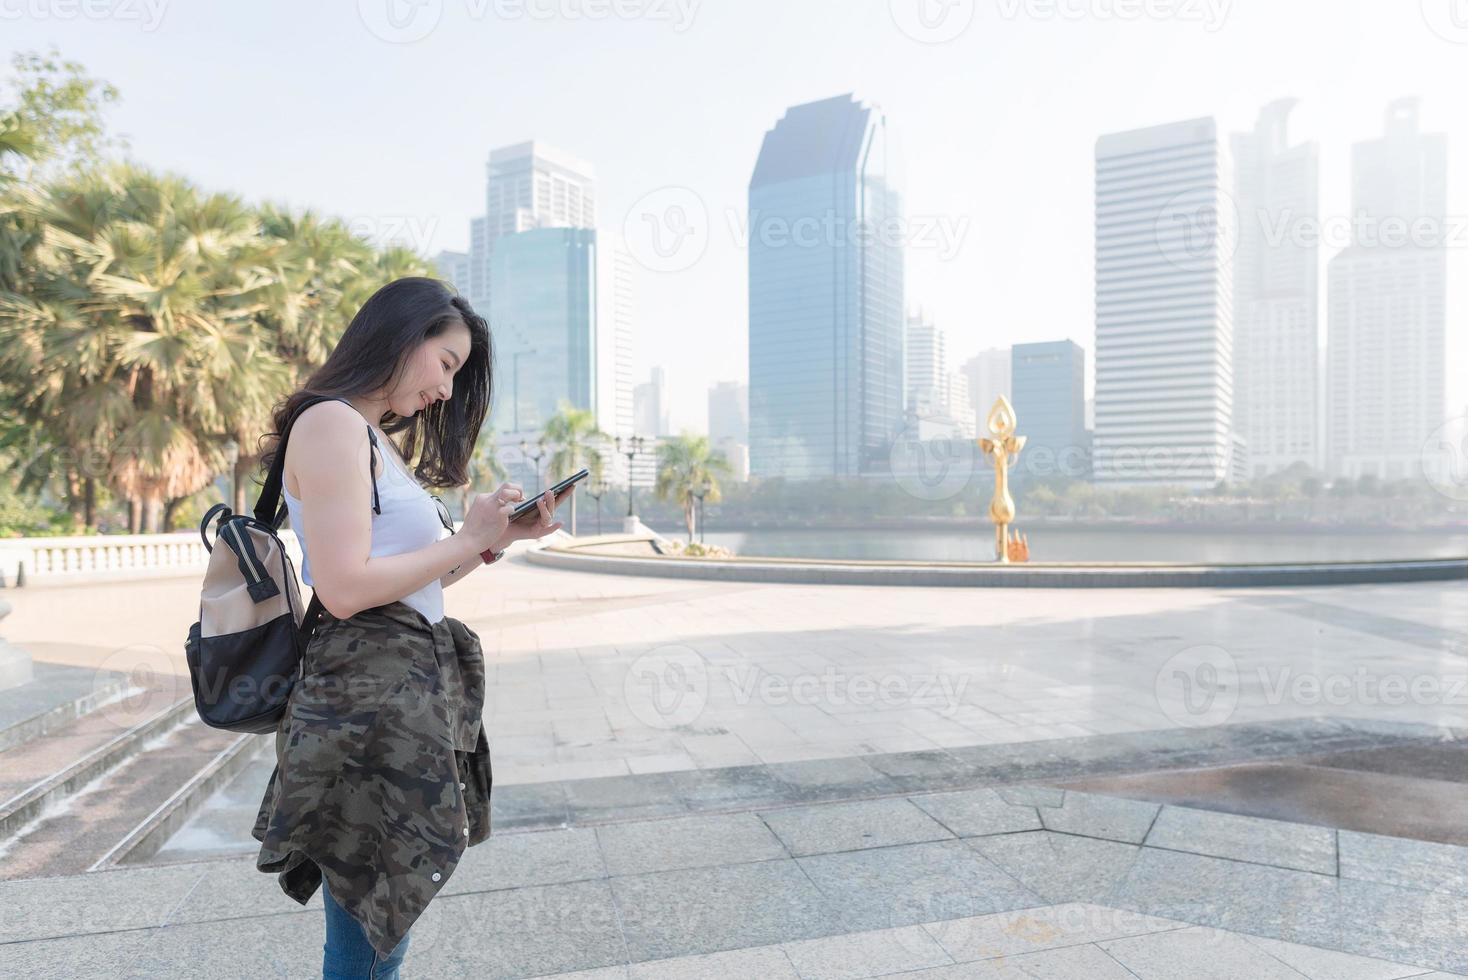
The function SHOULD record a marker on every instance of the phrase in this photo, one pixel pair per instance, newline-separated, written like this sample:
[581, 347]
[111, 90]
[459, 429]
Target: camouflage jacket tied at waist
[382, 773]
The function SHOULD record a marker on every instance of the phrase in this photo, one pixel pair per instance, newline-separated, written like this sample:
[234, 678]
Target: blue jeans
[349, 956]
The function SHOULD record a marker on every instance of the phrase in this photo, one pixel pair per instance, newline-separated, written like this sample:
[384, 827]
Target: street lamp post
[703, 491]
[596, 491]
[535, 458]
[629, 447]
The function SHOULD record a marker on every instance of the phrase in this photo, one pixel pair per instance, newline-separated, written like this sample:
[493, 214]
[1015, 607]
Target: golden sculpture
[1004, 448]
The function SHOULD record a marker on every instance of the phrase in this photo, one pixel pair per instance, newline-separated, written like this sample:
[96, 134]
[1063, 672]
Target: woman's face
[429, 374]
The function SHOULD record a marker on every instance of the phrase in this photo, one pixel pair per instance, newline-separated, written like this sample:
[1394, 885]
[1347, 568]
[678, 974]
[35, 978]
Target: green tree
[577, 440]
[686, 464]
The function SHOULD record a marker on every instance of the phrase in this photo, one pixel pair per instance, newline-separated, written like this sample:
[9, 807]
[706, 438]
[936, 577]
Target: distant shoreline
[1088, 524]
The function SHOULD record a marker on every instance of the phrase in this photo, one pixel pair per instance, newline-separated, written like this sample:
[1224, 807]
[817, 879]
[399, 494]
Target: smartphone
[528, 508]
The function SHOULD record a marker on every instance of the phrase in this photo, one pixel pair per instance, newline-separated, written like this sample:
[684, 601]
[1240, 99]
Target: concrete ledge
[596, 556]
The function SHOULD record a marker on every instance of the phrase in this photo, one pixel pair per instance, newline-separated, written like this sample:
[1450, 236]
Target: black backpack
[244, 652]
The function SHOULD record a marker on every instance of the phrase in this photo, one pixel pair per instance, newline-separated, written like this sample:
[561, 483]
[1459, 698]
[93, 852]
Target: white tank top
[409, 521]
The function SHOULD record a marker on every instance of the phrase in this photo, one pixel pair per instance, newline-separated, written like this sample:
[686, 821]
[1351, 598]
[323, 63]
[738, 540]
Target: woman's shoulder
[324, 432]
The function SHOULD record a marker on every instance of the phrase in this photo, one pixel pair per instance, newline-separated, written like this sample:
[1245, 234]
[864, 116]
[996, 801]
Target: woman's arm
[331, 460]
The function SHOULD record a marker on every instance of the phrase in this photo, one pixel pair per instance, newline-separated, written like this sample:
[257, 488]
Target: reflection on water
[1098, 544]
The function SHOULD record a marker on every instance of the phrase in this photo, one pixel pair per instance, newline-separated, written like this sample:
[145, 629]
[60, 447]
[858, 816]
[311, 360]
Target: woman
[389, 701]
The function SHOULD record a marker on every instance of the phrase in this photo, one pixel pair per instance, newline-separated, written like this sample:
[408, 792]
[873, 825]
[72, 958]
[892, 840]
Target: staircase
[104, 780]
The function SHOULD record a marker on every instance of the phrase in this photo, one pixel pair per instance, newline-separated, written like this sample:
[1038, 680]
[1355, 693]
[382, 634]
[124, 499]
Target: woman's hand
[546, 523]
[489, 515]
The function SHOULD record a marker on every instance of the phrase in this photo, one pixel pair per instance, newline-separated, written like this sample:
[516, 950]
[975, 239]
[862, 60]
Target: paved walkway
[1009, 882]
[630, 705]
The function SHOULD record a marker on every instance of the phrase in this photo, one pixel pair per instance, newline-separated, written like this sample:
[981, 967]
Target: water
[1098, 544]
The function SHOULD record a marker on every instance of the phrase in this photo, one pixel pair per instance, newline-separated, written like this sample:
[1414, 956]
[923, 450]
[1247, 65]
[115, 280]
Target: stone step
[140, 789]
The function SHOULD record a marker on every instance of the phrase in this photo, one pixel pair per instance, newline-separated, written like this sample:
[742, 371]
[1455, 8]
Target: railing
[112, 555]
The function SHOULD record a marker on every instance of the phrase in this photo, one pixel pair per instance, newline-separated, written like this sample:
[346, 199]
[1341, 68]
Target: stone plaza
[698, 778]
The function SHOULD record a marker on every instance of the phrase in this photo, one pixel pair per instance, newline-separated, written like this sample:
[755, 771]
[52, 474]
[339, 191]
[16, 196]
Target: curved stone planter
[1032, 575]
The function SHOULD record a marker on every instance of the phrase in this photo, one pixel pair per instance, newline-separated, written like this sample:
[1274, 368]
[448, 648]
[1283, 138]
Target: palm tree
[686, 464]
[574, 433]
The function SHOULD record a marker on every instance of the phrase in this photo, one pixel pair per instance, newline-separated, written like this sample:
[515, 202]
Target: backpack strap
[270, 507]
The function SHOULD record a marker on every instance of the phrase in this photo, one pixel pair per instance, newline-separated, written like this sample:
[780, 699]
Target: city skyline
[1006, 175]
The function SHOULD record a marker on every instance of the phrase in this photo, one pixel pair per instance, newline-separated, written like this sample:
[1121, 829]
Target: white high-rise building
[1386, 305]
[1276, 280]
[926, 357]
[989, 376]
[650, 406]
[614, 316]
[1164, 298]
[527, 186]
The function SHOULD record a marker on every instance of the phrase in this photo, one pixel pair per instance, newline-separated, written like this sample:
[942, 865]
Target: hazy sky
[308, 103]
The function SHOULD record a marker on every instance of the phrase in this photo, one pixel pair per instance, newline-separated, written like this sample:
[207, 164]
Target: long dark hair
[372, 353]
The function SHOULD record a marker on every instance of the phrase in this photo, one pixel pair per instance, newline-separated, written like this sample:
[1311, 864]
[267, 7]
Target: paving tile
[912, 883]
[1046, 927]
[704, 910]
[544, 857]
[976, 812]
[520, 932]
[924, 771]
[1326, 964]
[1061, 867]
[831, 779]
[764, 962]
[1071, 963]
[526, 805]
[865, 954]
[235, 888]
[622, 798]
[728, 787]
[1409, 863]
[263, 946]
[101, 901]
[1281, 844]
[687, 842]
[104, 954]
[1107, 817]
[1198, 953]
[825, 827]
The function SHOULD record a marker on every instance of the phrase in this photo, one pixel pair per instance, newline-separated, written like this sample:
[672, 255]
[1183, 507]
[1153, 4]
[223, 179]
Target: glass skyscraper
[825, 295]
[542, 308]
[1049, 397]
